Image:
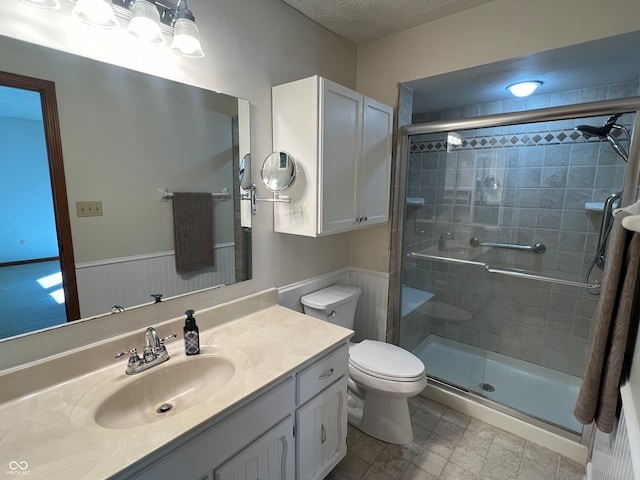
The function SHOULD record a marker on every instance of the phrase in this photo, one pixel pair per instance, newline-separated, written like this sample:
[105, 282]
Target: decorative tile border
[505, 140]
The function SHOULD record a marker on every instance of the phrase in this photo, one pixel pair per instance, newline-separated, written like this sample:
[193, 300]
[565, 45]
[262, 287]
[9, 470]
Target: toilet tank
[335, 304]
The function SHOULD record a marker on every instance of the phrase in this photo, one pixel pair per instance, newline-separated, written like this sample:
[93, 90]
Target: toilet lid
[387, 361]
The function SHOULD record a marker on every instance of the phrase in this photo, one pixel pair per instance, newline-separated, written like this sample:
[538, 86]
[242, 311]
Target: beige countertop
[53, 429]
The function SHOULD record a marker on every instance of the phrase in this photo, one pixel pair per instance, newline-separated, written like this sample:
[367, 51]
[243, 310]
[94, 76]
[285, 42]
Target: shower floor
[537, 391]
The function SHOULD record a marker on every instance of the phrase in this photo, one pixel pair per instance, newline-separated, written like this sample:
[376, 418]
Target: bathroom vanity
[265, 398]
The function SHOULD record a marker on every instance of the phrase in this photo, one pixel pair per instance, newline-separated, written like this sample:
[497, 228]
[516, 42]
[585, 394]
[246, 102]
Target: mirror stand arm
[253, 197]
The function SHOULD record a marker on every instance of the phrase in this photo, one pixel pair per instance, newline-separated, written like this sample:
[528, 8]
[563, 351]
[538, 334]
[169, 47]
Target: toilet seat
[385, 361]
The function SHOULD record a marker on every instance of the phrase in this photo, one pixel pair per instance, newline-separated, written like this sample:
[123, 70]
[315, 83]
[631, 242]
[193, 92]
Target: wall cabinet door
[321, 432]
[271, 457]
[341, 143]
[374, 167]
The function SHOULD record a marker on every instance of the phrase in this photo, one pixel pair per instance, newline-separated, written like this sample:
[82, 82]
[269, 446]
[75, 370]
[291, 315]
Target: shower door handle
[506, 271]
[541, 278]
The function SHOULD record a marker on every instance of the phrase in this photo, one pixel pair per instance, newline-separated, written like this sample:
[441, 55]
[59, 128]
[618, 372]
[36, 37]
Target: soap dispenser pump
[191, 334]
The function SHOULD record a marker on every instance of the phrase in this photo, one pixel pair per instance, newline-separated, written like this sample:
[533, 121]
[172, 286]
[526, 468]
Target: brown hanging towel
[598, 397]
[193, 231]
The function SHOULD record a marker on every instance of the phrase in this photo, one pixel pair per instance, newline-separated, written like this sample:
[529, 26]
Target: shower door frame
[630, 194]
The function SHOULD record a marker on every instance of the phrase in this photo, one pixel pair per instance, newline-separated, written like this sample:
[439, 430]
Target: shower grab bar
[504, 271]
[536, 248]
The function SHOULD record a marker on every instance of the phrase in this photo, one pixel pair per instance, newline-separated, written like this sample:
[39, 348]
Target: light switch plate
[89, 209]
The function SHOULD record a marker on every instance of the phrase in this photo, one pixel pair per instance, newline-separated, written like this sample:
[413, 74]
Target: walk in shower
[500, 269]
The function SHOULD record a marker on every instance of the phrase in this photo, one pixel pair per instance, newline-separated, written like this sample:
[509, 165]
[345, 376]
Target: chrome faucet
[154, 353]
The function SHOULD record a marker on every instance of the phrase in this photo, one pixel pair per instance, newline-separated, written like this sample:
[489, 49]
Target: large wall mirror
[127, 139]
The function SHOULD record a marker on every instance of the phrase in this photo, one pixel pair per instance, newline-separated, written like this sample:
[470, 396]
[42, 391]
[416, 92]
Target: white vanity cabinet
[268, 458]
[239, 441]
[294, 430]
[321, 417]
[341, 142]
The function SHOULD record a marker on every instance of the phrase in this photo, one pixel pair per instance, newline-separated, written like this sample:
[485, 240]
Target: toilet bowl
[381, 376]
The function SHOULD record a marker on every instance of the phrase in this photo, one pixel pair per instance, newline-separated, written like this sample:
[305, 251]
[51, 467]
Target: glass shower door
[502, 226]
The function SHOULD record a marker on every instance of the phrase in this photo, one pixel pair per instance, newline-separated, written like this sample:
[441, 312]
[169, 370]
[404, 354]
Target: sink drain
[487, 387]
[164, 408]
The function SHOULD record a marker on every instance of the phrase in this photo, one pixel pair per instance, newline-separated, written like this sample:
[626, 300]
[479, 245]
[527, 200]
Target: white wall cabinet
[257, 440]
[341, 142]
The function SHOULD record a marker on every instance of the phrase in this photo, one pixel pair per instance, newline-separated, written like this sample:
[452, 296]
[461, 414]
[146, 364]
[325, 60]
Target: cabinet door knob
[326, 375]
[324, 434]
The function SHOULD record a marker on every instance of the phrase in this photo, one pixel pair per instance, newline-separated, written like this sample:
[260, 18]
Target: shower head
[604, 132]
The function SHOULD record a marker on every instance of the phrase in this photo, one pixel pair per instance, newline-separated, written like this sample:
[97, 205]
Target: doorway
[37, 270]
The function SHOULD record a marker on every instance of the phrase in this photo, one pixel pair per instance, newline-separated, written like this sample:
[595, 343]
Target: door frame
[47, 92]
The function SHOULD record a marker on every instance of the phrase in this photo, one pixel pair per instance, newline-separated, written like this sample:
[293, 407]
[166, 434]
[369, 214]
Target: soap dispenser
[191, 334]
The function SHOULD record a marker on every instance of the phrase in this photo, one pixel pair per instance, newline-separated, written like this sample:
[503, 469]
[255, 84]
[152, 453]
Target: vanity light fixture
[524, 89]
[151, 21]
[145, 23]
[49, 4]
[98, 13]
[186, 38]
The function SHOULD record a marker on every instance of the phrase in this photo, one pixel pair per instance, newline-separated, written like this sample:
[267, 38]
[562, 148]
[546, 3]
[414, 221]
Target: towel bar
[164, 195]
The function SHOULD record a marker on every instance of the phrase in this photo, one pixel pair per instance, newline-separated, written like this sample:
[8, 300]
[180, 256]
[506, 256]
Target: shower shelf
[507, 271]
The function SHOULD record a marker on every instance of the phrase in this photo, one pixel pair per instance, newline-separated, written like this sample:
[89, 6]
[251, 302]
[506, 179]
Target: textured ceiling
[600, 62]
[360, 21]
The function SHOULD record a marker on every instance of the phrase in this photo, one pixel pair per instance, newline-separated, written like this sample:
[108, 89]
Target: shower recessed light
[524, 89]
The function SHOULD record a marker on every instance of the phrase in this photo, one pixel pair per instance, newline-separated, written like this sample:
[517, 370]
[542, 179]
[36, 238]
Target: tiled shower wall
[519, 184]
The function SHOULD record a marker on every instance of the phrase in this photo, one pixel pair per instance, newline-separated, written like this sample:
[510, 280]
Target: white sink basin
[158, 393]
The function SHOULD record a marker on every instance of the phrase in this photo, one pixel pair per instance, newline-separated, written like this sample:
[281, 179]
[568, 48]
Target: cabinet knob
[324, 434]
[326, 375]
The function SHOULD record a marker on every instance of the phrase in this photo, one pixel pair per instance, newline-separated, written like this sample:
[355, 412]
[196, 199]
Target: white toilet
[382, 376]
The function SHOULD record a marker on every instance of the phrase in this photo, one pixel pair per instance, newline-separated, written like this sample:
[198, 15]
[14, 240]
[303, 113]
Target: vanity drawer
[322, 373]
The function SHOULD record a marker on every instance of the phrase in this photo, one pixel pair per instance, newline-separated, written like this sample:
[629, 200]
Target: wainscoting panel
[130, 281]
[371, 316]
[614, 454]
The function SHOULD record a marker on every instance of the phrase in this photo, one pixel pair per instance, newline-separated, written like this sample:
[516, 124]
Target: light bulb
[98, 13]
[49, 4]
[145, 24]
[186, 39]
[524, 89]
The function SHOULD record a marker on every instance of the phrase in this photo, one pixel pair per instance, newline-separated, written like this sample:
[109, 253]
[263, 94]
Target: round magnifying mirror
[244, 172]
[278, 171]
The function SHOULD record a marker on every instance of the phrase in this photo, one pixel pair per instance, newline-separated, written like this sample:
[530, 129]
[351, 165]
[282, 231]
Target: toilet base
[383, 417]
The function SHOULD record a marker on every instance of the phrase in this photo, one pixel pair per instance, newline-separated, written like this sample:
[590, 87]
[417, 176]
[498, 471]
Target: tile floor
[449, 445]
